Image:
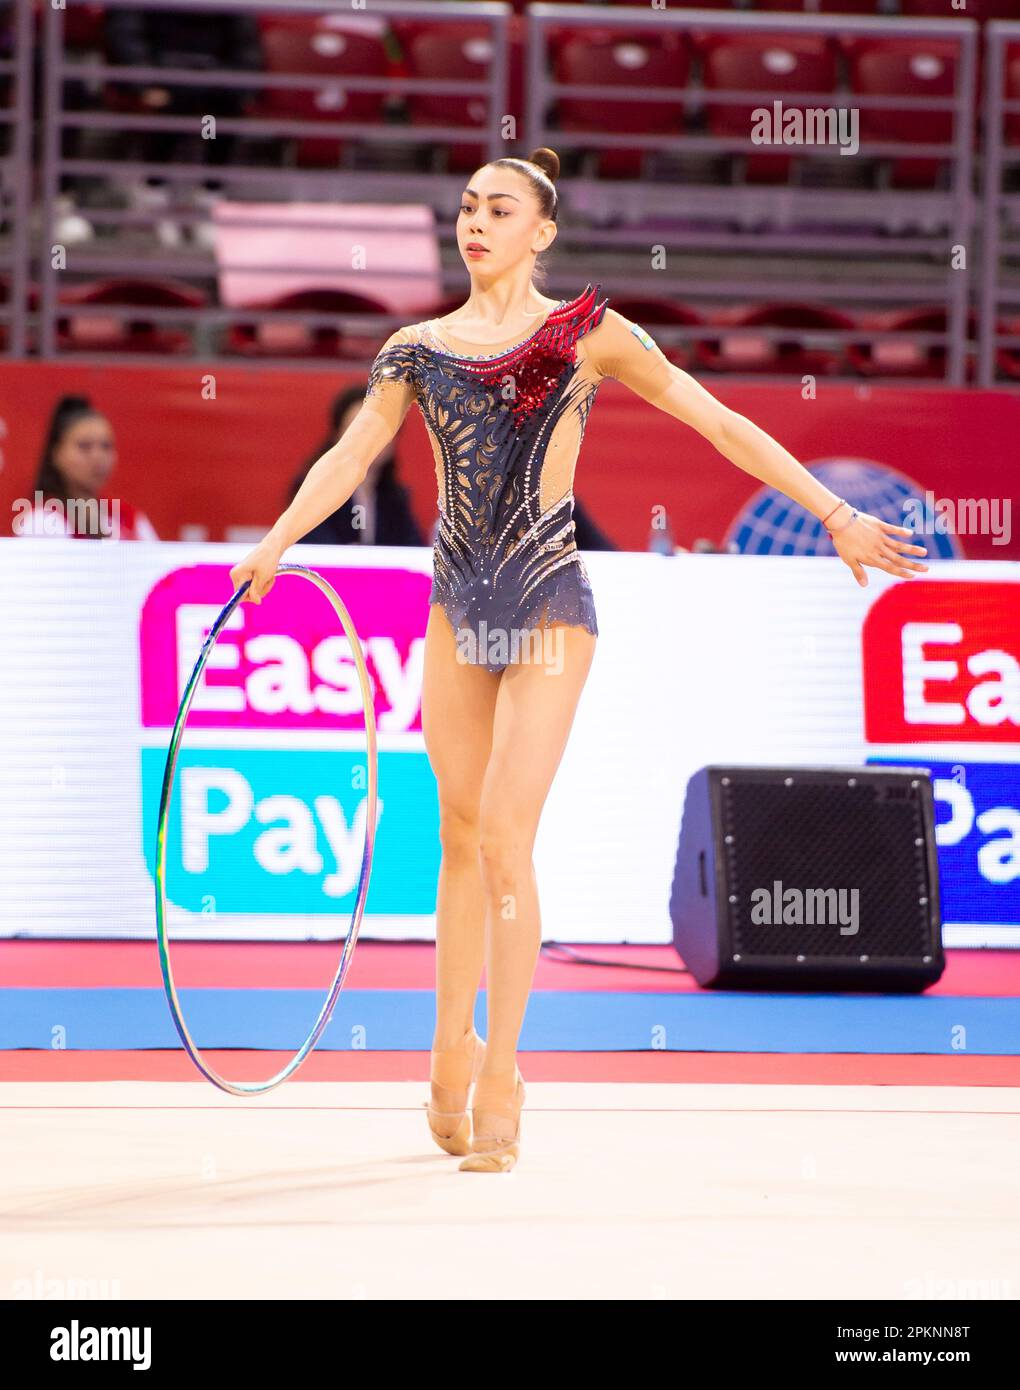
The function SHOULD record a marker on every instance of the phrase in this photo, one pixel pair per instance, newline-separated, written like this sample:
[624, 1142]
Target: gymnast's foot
[453, 1072]
[496, 1145]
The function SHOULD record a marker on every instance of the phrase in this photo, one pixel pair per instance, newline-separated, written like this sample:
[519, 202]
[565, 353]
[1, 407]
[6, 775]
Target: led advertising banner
[700, 659]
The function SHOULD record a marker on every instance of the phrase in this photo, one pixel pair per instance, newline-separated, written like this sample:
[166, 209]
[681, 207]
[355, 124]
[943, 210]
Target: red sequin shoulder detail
[577, 317]
[538, 363]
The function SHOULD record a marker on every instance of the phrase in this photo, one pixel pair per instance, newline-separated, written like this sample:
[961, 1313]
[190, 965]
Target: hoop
[244, 1088]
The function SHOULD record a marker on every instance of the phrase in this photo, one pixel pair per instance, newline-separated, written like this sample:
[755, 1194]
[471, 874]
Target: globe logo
[770, 524]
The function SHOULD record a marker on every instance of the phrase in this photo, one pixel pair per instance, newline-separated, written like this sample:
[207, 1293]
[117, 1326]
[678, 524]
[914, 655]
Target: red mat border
[82, 964]
[819, 1069]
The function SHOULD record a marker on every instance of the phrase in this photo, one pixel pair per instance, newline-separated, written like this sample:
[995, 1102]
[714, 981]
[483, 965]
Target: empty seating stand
[999, 319]
[780, 257]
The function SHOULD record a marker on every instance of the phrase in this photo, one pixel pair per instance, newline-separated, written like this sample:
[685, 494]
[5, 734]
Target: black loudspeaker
[806, 878]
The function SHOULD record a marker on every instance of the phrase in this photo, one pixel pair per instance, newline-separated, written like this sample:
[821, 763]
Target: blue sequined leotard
[505, 431]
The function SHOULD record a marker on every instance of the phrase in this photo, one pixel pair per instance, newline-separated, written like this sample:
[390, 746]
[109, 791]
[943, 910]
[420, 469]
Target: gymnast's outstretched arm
[634, 359]
[333, 478]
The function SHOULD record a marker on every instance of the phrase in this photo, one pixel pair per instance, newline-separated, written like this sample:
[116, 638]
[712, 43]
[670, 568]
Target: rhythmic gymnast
[505, 385]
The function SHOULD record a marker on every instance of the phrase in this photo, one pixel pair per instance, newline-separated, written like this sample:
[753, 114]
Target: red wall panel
[187, 459]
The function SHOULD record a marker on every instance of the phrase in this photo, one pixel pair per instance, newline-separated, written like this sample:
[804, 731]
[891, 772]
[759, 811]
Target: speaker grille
[818, 835]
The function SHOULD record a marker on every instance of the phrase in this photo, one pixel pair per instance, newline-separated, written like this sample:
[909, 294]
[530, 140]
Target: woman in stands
[379, 511]
[78, 457]
[504, 385]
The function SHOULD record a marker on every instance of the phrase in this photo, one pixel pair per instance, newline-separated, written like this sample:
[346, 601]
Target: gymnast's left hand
[871, 541]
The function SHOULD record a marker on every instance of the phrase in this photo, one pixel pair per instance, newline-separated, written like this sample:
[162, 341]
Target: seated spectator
[202, 41]
[379, 511]
[196, 42]
[78, 458]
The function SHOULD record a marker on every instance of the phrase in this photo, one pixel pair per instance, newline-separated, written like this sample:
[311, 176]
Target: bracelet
[853, 517]
[840, 503]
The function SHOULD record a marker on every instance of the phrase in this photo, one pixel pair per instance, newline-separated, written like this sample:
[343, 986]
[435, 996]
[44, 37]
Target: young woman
[78, 456]
[505, 385]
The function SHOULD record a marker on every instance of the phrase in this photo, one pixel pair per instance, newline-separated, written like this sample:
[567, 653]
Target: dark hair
[67, 412]
[541, 169]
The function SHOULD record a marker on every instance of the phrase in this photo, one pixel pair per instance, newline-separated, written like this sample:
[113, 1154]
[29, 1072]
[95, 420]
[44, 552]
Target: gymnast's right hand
[260, 566]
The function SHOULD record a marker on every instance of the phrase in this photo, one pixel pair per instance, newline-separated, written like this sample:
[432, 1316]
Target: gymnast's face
[499, 212]
[86, 455]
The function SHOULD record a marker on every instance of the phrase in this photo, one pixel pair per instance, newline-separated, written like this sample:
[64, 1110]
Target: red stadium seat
[976, 9]
[95, 333]
[449, 53]
[1011, 89]
[1008, 358]
[327, 46]
[905, 67]
[765, 62]
[83, 26]
[862, 7]
[605, 58]
[691, 4]
[905, 359]
[743, 350]
[292, 338]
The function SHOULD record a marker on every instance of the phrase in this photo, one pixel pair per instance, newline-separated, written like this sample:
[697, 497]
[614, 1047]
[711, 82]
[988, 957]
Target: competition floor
[887, 1171]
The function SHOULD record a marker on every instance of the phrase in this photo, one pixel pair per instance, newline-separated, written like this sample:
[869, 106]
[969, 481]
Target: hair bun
[548, 161]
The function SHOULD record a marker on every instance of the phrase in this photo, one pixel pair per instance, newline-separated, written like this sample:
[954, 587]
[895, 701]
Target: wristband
[841, 503]
[853, 517]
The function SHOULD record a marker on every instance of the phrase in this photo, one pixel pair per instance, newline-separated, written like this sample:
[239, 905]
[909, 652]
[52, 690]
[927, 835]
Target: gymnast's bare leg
[494, 742]
[535, 709]
[458, 705]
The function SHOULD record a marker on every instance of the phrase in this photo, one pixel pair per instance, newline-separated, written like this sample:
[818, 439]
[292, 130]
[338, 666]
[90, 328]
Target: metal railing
[844, 211]
[16, 179]
[792, 223]
[1001, 212]
[313, 184]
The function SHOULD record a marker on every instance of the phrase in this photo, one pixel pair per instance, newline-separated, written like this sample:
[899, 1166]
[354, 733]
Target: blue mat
[557, 1021]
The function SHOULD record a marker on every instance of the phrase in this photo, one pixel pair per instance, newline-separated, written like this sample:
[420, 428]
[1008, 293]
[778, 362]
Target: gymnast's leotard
[506, 429]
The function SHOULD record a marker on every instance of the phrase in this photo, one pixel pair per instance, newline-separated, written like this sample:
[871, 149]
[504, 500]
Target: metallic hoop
[245, 1088]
